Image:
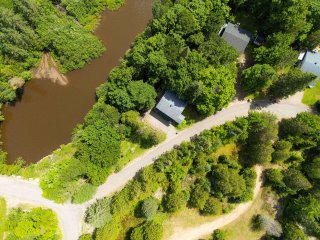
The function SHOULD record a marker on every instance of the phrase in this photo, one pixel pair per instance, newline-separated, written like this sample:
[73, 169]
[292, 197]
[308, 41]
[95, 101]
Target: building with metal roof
[171, 107]
[236, 36]
[311, 64]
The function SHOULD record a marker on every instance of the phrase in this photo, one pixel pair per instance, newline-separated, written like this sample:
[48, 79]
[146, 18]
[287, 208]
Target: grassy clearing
[241, 228]
[43, 166]
[311, 95]
[3, 212]
[184, 219]
[129, 151]
[228, 150]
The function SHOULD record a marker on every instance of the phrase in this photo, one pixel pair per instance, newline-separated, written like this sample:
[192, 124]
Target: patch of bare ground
[48, 69]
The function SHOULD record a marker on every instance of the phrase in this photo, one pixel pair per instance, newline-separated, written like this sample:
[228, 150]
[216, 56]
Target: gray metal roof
[171, 106]
[236, 37]
[311, 64]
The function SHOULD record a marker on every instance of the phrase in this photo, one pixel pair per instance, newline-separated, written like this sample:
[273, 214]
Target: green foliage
[102, 112]
[227, 182]
[37, 223]
[109, 231]
[148, 231]
[305, 210]
[98, 148]
[29, 28]
[302, 131]
[219, 235]
[290, 83]
[137, 95]
[292, 232]
[262, 133]
[213, 206]
[3, 213]
[99, 213]
[175, 200]
[277, 51]
[200, 194]
[282, 151]
[180, 51]
[312, 40]
[83, 193]
[61, 181]
[295, 180]
[86, 237]
[258, 78]
[149, 208]
[141, 132]
[312, 168]
[87, 12]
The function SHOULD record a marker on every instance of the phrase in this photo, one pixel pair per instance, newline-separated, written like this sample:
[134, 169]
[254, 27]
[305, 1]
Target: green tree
[282, 151]
[219, 235]
[262, 133]
[149, 208]
[313, 40]
[290, 83]
[213, 206]
[258, 78]
[226, 182]
[99, 213]
[312, 168]
[295, 180]
[98, 148]
[142, 95]
[292, 232]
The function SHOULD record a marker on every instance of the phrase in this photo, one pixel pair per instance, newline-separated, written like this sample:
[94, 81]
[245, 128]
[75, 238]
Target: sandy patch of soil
[48, 69]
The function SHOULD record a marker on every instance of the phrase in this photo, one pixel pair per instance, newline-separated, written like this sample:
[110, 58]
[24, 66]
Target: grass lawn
[311, 95]
[129, 151]
[3, 212]
[228, 150]
[183, 219]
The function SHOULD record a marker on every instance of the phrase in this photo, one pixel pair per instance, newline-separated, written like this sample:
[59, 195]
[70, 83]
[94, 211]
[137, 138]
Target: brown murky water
[47, 113]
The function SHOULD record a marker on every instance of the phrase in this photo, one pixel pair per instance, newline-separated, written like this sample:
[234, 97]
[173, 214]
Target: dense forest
[28, 28]
[193, 176]
[179, 51]
[288, 27]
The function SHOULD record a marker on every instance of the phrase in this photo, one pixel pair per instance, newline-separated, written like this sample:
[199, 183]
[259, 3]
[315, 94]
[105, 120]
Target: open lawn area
[3, 211]
[129, 151]
[183, 219]
[241, 228]
[311, 95]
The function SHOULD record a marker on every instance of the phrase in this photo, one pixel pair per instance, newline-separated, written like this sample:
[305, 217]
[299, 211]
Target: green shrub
[148, 231]
[109, 231]
[142, 132]
[37, 223]
[174, 201]
[149, 208]
[86, 237]
[83, 193]
[219, 235]
[99, 213]
[213, 206]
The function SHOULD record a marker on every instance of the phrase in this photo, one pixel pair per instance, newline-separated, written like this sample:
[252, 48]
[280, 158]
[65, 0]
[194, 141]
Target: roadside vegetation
[207, 175]
[288, 26]
[198, 175]
[34, 223]
[3, 218]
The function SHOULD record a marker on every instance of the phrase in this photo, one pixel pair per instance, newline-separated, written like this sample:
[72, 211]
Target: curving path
[197, 232]
[70, 216]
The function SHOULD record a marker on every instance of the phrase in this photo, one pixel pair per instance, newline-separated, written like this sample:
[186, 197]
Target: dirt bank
[48, 69]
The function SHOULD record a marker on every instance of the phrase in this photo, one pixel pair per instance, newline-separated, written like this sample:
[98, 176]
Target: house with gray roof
[311, 64]
[171, 107]
[236, 36]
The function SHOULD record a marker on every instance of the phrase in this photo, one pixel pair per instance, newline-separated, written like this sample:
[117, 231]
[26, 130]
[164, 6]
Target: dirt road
[197, 232]
[70, 216]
